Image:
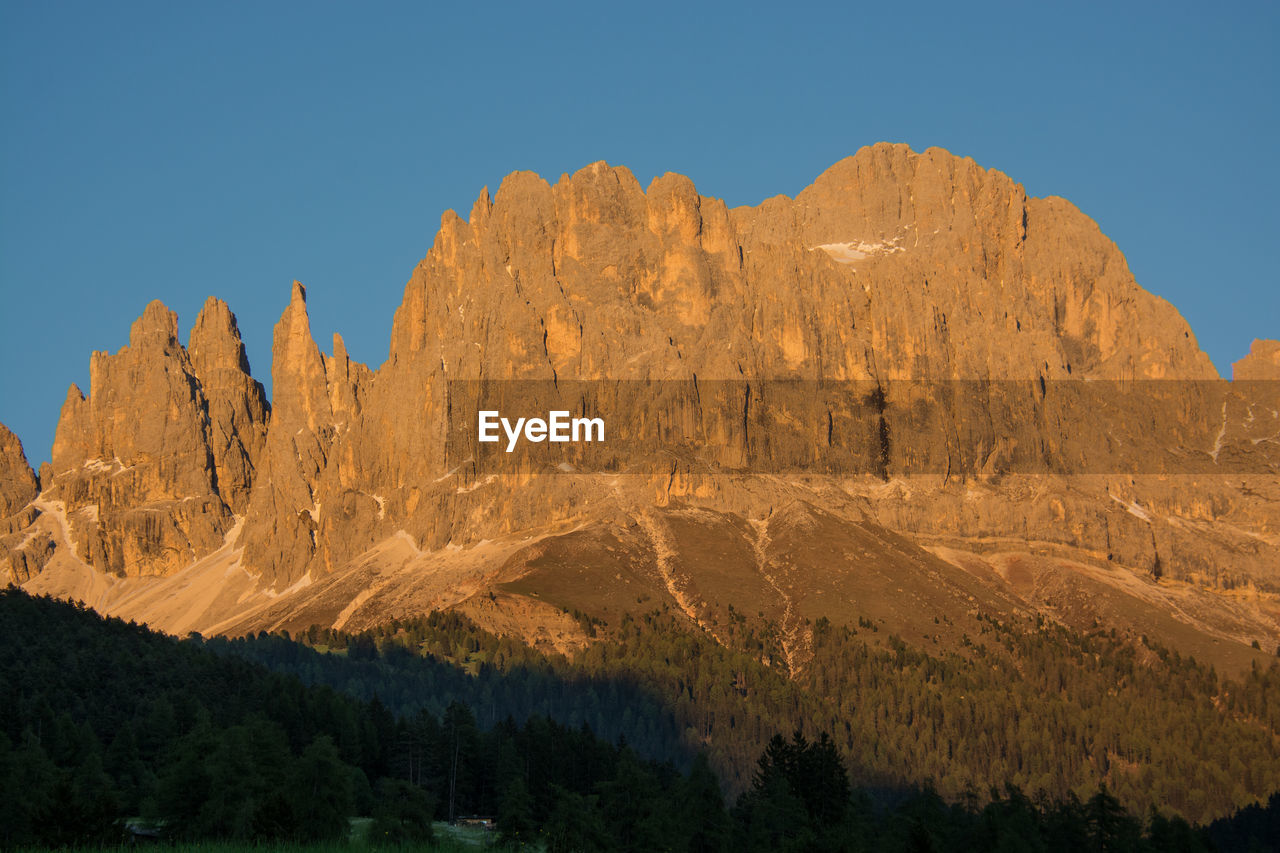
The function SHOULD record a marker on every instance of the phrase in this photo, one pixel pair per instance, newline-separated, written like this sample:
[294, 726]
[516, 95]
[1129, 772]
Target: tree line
[109, 723]
[1024, 702]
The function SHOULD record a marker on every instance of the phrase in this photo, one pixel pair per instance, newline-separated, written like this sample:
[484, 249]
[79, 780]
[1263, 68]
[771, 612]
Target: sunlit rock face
[344, 504]
[1262, 362]
[17, 481]
[150, 469]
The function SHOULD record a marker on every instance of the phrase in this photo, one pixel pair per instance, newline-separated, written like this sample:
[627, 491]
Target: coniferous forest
[653, 738]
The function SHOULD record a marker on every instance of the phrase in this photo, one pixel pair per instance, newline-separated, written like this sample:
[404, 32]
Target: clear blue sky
[178, 150]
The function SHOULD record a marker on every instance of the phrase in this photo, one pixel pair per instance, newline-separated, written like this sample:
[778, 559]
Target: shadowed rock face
[892, 266]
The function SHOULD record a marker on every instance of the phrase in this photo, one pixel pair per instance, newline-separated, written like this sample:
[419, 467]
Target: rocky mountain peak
[236, 403]
[317, 399]
[156, 328]
[214, 342]
[18, 485]
[1262, 362]
[151, 467]
[297, 369]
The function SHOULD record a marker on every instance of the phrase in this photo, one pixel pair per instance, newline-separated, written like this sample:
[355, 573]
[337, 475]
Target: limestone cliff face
[151, 467]
[17, 481]
[892, 266]
[316, 399]
[964, 276]
[237, 405]
[23, 552]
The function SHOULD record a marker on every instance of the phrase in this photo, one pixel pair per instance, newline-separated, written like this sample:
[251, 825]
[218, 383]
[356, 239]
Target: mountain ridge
[331, 502]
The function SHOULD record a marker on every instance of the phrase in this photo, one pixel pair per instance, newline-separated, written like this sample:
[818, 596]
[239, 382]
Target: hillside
[188, 739]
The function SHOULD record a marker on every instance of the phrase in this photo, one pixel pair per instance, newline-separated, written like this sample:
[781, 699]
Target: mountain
[1019, 428]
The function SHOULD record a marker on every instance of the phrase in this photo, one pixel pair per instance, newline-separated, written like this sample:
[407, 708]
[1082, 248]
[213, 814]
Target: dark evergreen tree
[575, 824]
[402, 813]
[320, 792]
[515, 813]
[701, 818]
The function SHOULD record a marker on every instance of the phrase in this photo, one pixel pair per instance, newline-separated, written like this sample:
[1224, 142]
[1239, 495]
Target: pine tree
[321, 792]
[702, 820]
